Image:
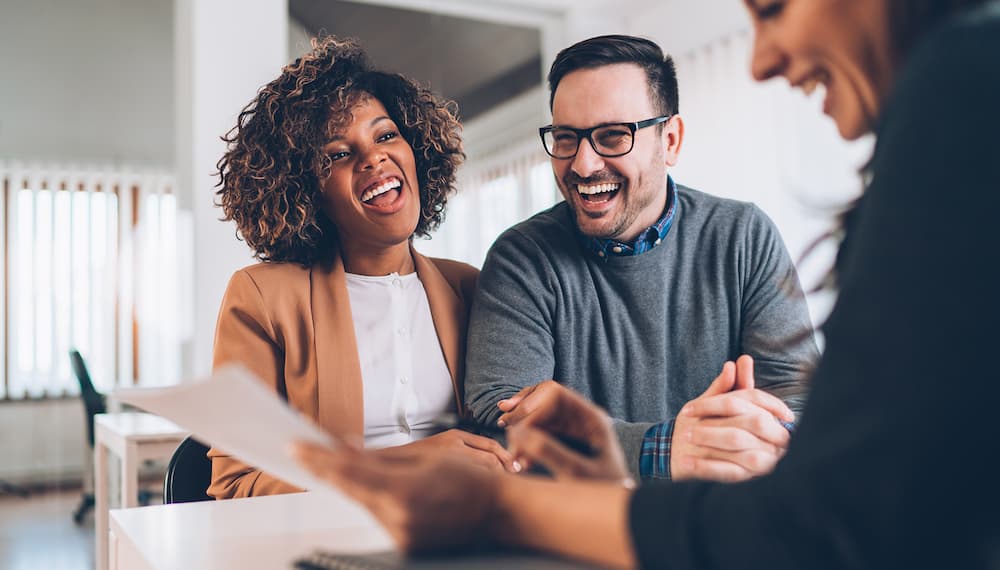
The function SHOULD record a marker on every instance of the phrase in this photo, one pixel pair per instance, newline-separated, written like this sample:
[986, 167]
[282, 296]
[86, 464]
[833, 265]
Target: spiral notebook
[391, 560]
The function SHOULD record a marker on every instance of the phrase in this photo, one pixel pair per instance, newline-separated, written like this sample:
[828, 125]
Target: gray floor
[38, 533]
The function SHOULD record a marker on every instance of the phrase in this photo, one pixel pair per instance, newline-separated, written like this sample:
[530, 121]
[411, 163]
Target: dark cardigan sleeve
[886, 467]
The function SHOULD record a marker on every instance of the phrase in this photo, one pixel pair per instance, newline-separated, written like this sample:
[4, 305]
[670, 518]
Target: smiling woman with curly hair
[272, 175]
[330, 172]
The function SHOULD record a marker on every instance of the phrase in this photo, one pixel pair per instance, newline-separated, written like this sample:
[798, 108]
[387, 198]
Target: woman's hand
[475, 449]
[426, 497]
[539, 416]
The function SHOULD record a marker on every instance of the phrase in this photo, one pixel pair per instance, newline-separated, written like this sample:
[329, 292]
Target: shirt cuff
[654, 457]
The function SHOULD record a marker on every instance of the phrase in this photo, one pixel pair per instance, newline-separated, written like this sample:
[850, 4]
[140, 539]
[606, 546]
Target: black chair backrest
[93, 401]
[189, 473]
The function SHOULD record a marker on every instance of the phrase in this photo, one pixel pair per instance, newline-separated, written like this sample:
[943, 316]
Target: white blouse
[406, 381]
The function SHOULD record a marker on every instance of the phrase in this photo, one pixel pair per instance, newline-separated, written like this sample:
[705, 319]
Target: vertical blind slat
[33, 376]
[5, 187]
[55, 380]
[14, 308]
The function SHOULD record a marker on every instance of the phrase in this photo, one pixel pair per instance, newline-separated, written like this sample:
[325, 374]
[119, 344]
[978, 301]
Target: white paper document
[235, 412]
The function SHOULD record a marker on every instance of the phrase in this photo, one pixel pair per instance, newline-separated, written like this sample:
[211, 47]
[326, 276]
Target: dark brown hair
[270, 177]
[608, 50]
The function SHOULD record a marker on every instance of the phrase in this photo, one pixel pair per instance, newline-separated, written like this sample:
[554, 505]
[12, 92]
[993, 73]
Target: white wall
[87, 80]
[682, 25]
[224, 54]
[298, 40]
[42, 441]
[750, 141]
[92, 81]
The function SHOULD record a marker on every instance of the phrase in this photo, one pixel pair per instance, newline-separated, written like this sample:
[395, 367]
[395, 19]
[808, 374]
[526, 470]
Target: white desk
[266, 533]
[245, 534]
[134, 438]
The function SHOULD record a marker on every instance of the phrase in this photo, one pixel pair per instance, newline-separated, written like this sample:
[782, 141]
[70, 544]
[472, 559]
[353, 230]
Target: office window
[85, 250]
[493, 194]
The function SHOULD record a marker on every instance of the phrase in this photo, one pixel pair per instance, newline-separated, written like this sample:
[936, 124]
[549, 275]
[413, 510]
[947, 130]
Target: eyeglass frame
[585, 134]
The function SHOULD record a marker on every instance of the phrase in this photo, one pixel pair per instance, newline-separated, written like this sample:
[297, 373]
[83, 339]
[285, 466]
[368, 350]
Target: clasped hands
[731, 432]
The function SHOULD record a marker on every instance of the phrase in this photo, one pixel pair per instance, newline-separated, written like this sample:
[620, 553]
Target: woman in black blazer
[889, 464]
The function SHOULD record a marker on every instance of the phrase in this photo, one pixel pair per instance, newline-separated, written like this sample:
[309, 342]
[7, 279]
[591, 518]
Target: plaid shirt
[654, 459]
[647, 240]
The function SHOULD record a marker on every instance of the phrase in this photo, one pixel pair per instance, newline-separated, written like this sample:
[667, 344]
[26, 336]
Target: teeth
[810, 84]
[596, 188]
[381, 189]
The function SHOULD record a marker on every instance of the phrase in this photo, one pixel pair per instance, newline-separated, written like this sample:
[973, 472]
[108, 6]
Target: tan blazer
[292, 327]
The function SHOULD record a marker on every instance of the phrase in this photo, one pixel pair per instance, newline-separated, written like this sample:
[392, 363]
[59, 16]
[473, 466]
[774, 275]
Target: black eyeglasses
[608, 140]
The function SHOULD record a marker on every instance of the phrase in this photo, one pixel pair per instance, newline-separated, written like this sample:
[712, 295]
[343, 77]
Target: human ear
[673, 138]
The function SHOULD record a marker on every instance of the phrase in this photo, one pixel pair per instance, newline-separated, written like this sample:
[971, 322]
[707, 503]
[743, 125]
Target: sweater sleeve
[510, 343]
[884, 471]
[776, 328]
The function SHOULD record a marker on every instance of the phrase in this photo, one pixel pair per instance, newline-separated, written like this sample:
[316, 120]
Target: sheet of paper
[235, 412]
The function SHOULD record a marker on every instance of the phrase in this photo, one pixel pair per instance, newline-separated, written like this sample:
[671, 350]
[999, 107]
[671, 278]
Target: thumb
[508, 404]
[744, 373]
[724, 382]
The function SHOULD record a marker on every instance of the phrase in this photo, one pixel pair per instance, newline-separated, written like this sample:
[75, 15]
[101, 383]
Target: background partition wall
[492, 198]
[770, 145]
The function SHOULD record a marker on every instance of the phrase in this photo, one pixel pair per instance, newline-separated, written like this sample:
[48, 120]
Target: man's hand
[732, 431]
[475, 449]
[425, 498]
[543, 417]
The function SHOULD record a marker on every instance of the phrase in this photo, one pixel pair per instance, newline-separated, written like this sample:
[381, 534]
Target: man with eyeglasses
[635, 290]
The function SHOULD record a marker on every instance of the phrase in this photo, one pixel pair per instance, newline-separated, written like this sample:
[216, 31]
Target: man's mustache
[601, 177]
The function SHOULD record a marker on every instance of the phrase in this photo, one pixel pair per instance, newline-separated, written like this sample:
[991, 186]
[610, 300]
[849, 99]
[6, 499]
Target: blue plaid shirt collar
[647, 240]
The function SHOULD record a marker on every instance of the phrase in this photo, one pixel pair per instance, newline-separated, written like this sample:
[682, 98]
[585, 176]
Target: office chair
[93, 403]
[189, 474]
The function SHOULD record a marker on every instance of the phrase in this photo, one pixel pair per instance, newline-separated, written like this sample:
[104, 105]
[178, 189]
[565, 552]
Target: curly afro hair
[270, 177]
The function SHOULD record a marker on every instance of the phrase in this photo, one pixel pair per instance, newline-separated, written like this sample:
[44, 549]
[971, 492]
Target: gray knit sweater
[639, 335]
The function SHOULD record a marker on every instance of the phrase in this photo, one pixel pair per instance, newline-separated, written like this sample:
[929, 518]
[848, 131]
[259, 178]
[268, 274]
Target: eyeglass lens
[611, 140]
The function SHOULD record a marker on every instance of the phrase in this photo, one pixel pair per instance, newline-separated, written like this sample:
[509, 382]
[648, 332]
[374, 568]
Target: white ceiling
[477, 63]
